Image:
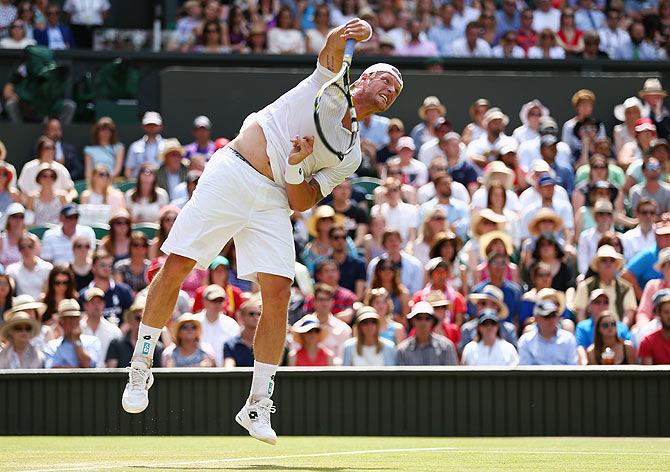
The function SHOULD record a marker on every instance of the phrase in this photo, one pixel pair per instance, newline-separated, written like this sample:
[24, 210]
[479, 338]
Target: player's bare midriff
[251, 143]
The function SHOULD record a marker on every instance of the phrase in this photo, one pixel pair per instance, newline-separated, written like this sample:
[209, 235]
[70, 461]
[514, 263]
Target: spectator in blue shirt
[584, 333]
[638, 9]
[239, 351]
[446, 32]
[72, 349]
[638, 48]
[496, 270]
[547, 344]
[564, 175]
[508, 18]
[640, 269]
[458, 212]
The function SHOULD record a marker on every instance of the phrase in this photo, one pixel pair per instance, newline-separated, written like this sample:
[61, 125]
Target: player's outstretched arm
[331, 55]
[301, 195]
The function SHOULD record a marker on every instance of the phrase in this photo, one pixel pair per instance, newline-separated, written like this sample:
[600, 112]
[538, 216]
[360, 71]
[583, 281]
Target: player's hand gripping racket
[331, 105]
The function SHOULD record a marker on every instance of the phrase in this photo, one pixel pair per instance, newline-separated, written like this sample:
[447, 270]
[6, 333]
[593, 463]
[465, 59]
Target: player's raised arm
[331, 55]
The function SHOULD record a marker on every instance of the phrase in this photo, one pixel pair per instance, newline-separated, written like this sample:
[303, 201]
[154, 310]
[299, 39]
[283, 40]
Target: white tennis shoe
[135, 397]
[255, 418]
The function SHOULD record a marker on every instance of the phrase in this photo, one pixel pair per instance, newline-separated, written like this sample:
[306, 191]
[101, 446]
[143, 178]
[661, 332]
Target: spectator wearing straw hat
[496, 271]
[148, 147]
[73, 349]
[622, 303]
[431, 148]
[457, 211]
[497, 171]
[425, 347]
[368, 348]
[490, 298]
[484, 149]
[655, 347]
[431, 109]
[550, 202]
[547, 343]
[653, 94]
[239, 351]
[172, 171]
[488, 347]
[588, 239]
[188, 350]
[120, 349]
[18, 353]
[309, 335]
[583, 102]
[94, 324]
[496, 242]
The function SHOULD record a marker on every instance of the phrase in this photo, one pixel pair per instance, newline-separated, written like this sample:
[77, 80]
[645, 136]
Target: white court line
[352, 453]
[243, 459]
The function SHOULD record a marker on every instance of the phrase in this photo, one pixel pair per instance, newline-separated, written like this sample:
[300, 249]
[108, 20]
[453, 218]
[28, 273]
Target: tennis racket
[330, 107]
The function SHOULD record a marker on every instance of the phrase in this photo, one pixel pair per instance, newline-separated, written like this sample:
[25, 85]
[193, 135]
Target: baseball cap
[603, 206]
[406, 142]
[644, 124]
[434, 263]
[488, 314]
[546, 179]
[451, 135]
[70, 209]
[212, 292]
[545, 308]
[661, 296]
[219, 261]
[441, 121]
[548, 140]
[202, 122]
[93, 292]
[15, 208]
[152, 118]
[421, 307]
[547, 125]
[598, 293]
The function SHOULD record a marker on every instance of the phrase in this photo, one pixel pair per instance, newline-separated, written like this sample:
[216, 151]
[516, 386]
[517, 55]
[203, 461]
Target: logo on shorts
[146, 348]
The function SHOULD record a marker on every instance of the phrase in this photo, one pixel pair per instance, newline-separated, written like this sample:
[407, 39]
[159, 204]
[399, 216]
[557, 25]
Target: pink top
[645, 312]
[485, 276]
[194, 280]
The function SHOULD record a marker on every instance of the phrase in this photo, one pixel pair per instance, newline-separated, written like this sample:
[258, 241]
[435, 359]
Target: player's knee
[176, 268]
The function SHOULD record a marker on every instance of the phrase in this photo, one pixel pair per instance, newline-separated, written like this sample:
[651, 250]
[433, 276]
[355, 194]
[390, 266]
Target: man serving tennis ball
[246, 192]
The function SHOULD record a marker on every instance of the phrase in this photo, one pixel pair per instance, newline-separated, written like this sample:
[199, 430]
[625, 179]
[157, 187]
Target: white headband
[383, 67]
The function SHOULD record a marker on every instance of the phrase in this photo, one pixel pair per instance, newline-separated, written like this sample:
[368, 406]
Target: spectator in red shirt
[328, 272]
[438, 272]
[655, 347]
[526, 36]
[219, 274]
[443, 327]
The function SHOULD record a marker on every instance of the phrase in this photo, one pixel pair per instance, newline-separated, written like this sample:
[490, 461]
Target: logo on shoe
[253, 415]
[146, 348]
[147, 337]
[270, 386]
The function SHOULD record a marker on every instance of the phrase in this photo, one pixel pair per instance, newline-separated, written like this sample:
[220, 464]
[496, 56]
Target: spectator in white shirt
[45, 151]
[84, 16]
[484, 149]
[471, 45]
[546, 16]
[217, 328]
[94, 324]
[642, 236]
[507, 47]
[31, 272]
[148, 147]
[612, 38]
[463, 14]
[414, 172]
[588, 240]
[398, 214]
[57, 242]
[546, 47]
[488, 347]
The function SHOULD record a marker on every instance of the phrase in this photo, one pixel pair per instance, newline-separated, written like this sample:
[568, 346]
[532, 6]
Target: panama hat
[185, 318]
[305, 324]
[547, 293]
[498, 167]
[544, 214]
[69, 308]
[22, 303]
[437, 298]
[169, 145]
[607, 252]
[440, 238]
[630, 102]
[490, 215]
[652, 87]
[367, 313]
[20, 317]
[583, 94]
[495, 113]
[527, 107]
[493, 293]
[660, 297]
[138, 305]
[487, 239]
[482, 102]
[431, 102]
[321, 212]
[663, 257]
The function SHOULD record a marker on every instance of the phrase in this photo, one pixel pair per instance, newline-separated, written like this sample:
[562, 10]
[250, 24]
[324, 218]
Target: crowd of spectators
[542, 245]
[550, 29]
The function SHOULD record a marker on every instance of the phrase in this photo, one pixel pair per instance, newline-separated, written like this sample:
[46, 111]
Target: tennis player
[247, 192]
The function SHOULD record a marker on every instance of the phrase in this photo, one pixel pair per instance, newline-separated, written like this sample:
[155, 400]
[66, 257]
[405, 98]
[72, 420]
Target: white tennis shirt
[293, 114]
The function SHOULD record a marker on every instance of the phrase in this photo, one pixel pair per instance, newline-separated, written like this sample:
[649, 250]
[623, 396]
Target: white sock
[147, 337]
[263, 382]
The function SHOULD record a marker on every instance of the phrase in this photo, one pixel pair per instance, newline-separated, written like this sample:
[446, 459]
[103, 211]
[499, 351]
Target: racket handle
[349, 50]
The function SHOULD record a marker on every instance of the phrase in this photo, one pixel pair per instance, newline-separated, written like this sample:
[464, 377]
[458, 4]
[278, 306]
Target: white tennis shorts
[234, 200]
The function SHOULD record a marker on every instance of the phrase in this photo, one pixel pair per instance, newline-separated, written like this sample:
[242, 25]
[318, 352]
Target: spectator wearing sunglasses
[73, 349]
[547, 343]
[46, 203]
[45, 151]
[132, 270]
[121, 348]
[188, 350]
[82, 262]
[488, 347]
[31, 272]
[425, 347]
[54, 34]
[368, 348]
[18, 353]
[609, 347]
[145, 201]
[586, 329]
[94, 324]
[239, 351]
[652, 187]
[641, 236]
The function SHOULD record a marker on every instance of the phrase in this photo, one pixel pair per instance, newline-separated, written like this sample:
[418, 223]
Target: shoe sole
[240, 421]
[133, 410]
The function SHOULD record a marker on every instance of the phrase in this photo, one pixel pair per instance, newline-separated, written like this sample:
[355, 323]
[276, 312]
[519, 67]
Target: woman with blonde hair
[380, 300]
[368, 348]
[434, 222]
[105, 149]
[188, 351]
[100, 190]
[546, 47]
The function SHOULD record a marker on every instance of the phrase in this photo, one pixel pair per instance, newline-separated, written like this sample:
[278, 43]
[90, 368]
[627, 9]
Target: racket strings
[331, 110]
